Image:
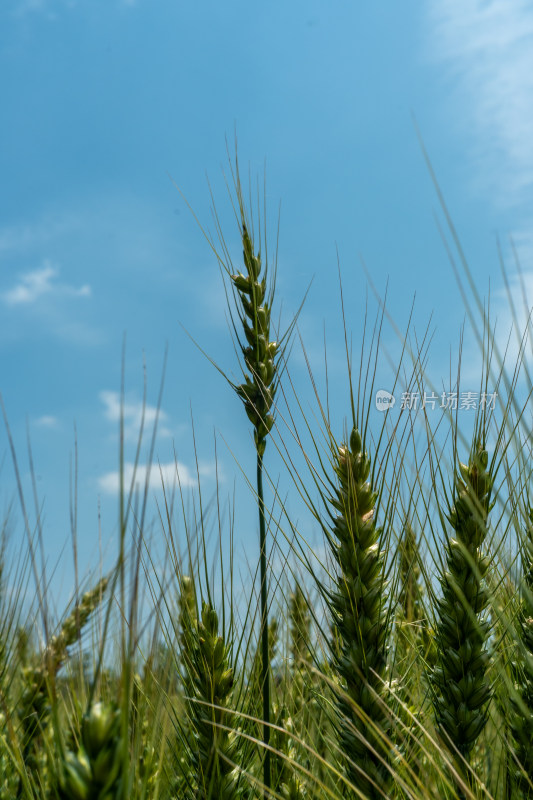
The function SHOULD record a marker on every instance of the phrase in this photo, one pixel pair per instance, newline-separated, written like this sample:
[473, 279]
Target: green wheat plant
[521, 695]
[361, 620]
[393, 660]
[35, 704]
[410, 651]
[210, 682]
[93, 770]
[461, 689]
[257, 394]
[253, 289]
[410, 619]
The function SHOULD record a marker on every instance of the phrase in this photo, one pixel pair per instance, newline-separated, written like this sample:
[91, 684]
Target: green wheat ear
[461, 688]
[410, 593]
[521, 717]
[300, 660]
[360, 619]
[187, 621]
[300, 630]
[35, 703]
[411, 650]
[411, 640]
[217, 748]
[93, 772]
[257, 391]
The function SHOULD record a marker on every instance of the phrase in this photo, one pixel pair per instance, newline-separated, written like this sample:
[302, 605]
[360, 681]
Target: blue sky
[107, 104]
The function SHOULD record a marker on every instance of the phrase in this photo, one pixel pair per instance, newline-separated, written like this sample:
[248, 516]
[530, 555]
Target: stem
[264, 627]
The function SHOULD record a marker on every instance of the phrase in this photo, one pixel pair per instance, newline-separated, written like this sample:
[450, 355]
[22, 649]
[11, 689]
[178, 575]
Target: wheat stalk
[461, 689]
[257, 393]
[360, 619]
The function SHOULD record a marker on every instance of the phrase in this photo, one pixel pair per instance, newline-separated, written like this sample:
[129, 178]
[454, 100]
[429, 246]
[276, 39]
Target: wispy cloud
[28, 237]
[46, 421]
[510, 317]
[511, 312]
[133, 413]
[34, 285]
[120, 241]
[488, 47]
[171, 474]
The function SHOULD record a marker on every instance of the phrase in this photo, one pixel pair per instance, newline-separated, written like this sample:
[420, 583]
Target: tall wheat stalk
[254, 295]
[358, 604]
[257, 394]
[461, 687]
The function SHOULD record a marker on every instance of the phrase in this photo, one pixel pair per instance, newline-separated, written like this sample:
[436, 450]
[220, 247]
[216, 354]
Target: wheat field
[397, 662]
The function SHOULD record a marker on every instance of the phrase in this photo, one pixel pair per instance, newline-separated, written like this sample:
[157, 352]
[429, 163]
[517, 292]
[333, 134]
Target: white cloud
[515, 327]
[511, 333]
[172, 474]
[133, 415]
[47, 421]
[488, 47]
[34, 285]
